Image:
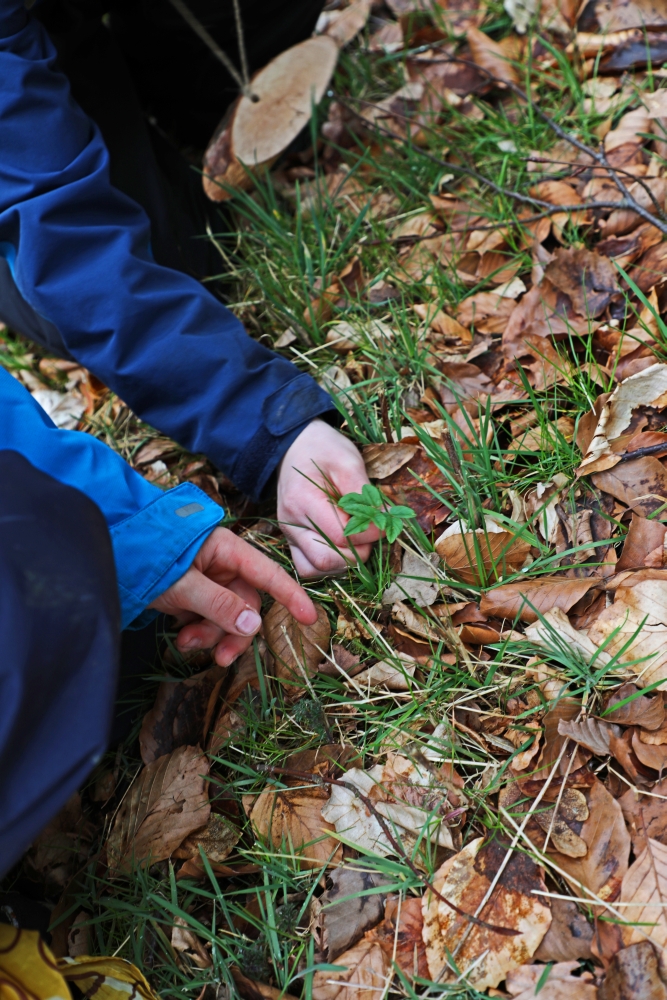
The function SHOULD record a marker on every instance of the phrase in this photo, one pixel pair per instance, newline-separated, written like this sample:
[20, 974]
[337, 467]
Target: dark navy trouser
[59, 647]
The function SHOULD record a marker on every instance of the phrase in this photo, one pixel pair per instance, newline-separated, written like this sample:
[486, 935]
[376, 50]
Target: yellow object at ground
[28, 971]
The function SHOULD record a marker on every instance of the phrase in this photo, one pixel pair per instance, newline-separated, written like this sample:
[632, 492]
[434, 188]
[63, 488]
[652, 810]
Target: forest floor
[454, 780]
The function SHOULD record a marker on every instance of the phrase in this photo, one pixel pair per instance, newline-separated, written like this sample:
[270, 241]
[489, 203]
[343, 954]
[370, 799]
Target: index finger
[263, 573]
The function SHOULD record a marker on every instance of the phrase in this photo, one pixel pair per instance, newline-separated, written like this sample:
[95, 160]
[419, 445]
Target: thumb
[196, 592]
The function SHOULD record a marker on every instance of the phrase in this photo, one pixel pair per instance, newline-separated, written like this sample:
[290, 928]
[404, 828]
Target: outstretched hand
[217, 601]
[319, 459]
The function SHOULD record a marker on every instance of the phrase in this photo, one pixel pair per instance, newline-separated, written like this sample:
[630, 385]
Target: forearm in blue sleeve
[155, 535]
[80, 257]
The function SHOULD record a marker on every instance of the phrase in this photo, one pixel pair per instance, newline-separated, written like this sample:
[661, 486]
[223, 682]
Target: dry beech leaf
[346, 24]
[185, 941]
[255, 132]
[383, 459]
[646, 815]
[400, 935]
[608, 842]
[654, 756]
[569, 936]
[512, 600]
[491, 56]
[646, 388]
[367, 968]
[411, 799]
[641, 483]
[345, 920]
[587, 278]
[594, 734]
[167, 802]
[555, 630]
[560, 985]
[417, 580]
[464, 880]
[563, 711]
[252, 989]
[483, 553]
[388, 674]
[644, 711]
[636, 620]
[633, 975]
[571, 809]
[181, 714]
[291, 822]
[645, 882]
[644, 545]
[297, 648]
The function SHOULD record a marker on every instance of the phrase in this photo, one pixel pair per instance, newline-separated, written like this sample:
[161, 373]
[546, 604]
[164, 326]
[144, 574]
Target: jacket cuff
[285, 413]
[156, 546]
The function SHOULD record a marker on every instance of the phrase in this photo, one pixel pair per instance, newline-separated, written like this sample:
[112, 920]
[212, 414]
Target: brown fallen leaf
[608, 840]
[291, 822]
[542, 312]
[344, 921]
[633, 975]
[645, 711]
[400, 935]
[255, 132]
[586, 277]
[412, 485]
[384, 459]
[654, 756]
[181, 714]
[297, 648]
[413, 800]
[252, 989]
[564, 710]
[481, 555]
[512, 600]
[594, 734]
[487, 312]
[646, 815]
[167, 802]
[644, 544]
[491, 56]
[185, 941]
[465, 880]
[569, 936]
[645, 884]
[367, 969]
[636, 621]
[640, 483]
[417, 580]
[527, 983]
[393, 676]
[560, 824]
[347, 23]
[647, 388]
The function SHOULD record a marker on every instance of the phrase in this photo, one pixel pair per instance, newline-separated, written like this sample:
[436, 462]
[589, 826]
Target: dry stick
[211, 44]
[398, 848]
[240, 38]
[598, 156]
[629, 202]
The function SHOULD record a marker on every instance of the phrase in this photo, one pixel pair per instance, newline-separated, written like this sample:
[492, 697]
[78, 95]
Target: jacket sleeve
[155, 534]
[80, 256]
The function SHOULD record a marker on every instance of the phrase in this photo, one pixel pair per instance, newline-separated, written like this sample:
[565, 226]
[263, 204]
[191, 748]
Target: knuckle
[223, 605]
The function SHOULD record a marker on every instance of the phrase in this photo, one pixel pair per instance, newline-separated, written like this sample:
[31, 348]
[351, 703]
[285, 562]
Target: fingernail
[248, 622]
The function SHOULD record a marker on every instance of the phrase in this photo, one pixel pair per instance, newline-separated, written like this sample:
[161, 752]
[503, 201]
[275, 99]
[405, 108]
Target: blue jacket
[79, 252]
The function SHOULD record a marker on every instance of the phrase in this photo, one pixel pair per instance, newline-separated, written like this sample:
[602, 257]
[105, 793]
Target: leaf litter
[454, 781]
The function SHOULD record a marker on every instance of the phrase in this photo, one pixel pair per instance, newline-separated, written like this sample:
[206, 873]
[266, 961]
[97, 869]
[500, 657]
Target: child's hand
[218, 597]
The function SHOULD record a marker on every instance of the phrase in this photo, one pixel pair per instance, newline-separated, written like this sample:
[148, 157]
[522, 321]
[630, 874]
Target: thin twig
[213, 46]
[398, 848]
